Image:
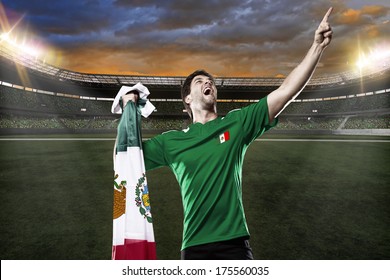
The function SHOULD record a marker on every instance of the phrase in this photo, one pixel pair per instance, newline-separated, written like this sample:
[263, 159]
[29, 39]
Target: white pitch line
[258, 140]
[324, 140]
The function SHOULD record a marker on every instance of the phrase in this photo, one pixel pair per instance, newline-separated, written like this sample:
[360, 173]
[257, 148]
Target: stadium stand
[59, 100]
[28, 109]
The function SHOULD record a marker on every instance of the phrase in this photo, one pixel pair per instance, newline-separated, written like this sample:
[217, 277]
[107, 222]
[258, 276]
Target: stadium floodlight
[4, 36]
[362, 61]
[379, 57]
[24, 48]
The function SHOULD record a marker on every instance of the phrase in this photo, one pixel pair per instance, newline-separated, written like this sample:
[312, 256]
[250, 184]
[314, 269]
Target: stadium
[325, 192]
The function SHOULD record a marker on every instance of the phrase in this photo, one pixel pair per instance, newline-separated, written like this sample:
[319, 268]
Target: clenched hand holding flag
[133, 237]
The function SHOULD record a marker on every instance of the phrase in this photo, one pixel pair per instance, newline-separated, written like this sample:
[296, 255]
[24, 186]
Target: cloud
[231, 37]
[365, 15]
[376, 11]
[63, 17]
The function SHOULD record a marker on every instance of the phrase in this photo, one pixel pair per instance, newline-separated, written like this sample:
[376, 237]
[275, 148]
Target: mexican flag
[133, 237]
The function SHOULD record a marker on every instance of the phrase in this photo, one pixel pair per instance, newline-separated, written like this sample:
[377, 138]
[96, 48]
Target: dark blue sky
[175, 37]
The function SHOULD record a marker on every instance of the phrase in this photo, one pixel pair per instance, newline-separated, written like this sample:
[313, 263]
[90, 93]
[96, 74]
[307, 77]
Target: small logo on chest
[224, 137]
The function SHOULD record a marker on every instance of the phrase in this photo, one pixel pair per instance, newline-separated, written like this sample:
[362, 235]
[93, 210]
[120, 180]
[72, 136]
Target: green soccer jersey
[207, 161]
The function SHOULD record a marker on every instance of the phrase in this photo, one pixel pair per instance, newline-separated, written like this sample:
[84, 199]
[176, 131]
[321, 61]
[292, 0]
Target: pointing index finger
[325, 19]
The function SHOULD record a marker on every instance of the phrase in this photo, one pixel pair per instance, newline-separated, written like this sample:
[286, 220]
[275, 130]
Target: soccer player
[207, 157]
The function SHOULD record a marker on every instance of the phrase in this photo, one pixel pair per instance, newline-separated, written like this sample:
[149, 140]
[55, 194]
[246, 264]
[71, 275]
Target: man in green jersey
[207, 157]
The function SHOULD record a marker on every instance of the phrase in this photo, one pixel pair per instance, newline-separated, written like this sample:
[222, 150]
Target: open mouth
[207, 91]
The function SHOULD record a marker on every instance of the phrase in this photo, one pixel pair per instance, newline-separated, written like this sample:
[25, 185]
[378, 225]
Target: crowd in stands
[28, 109]
[12, 121]
[164, 124]
[382, 122]
[355, 104]
[168, 108]
[18, 99]
[303, 123]
[153, 123]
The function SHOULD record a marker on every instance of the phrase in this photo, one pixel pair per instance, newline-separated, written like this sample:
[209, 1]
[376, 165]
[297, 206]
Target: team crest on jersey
[142, 200]
[224, 137]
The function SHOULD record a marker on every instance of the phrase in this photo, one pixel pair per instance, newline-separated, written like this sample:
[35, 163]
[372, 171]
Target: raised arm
[299, 77]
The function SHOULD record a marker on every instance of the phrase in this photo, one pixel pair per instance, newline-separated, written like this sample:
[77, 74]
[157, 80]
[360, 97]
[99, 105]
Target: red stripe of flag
[134, 250]
[226, 135]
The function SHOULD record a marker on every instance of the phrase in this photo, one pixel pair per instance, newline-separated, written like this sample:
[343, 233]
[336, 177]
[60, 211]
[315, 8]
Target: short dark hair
[186, 87]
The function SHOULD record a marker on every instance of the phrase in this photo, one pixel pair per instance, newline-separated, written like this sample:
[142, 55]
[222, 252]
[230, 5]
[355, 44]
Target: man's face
[203, 93]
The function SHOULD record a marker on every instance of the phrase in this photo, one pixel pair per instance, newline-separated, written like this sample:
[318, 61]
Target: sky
[263, 38]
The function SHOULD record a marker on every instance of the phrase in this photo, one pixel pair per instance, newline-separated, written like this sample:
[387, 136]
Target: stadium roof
[24, 70]
[21, 58]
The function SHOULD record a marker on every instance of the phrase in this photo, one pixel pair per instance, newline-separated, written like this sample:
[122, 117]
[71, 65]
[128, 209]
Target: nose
[208, 82]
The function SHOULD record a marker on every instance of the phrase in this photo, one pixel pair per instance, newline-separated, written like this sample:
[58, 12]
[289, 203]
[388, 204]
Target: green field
[303, 199]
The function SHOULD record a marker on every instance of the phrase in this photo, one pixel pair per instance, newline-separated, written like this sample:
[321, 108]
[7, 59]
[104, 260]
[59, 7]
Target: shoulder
[160, 140]
[259, 105]
[233, 113]
[170, 134]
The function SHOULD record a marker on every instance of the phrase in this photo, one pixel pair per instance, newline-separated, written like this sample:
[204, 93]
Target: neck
[204, 116]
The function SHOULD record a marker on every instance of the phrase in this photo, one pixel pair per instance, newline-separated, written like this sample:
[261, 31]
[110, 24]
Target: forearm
[299, 77]
[294, 82]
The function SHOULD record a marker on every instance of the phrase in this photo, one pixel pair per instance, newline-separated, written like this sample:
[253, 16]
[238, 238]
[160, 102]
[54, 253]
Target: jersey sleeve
[255, 120]
[153, 150]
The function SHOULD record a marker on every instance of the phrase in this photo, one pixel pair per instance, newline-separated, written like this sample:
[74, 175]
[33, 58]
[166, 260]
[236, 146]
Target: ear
[188, 99]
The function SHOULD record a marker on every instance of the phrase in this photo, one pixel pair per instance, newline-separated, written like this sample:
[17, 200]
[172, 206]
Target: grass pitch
[303, 199]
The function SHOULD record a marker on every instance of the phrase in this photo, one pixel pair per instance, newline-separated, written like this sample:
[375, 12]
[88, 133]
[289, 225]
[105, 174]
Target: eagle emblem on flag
[119, 198]
[142, 198]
